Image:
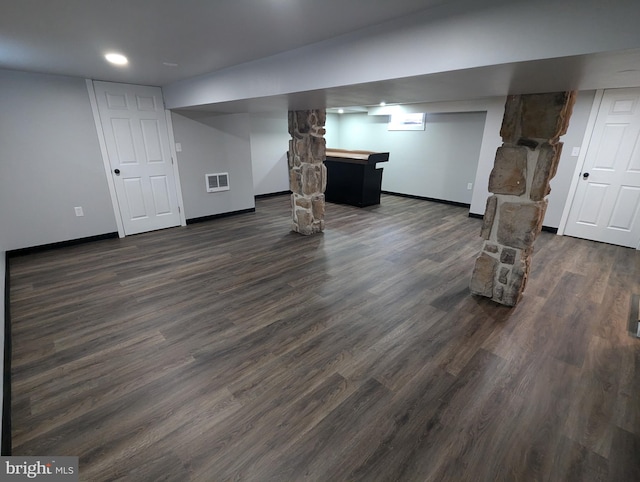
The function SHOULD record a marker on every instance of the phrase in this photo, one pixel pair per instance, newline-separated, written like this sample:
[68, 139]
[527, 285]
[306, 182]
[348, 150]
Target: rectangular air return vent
[217, 182]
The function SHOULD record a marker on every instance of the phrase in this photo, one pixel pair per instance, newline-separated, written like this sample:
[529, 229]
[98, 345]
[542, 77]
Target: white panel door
[606, 206]
[137, 142]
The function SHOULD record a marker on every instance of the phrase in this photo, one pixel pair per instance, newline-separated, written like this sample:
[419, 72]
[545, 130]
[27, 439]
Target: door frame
[107, 166]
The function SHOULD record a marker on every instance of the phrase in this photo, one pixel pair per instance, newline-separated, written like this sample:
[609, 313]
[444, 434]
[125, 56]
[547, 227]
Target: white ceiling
[70, 37]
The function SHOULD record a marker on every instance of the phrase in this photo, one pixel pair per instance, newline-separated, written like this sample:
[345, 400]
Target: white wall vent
[217, 182]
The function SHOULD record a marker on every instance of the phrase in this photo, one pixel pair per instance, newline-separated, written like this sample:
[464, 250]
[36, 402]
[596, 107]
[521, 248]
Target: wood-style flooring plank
[237, 350]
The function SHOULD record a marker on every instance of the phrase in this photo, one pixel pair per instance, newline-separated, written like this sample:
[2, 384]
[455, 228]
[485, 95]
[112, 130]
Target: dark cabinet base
[353, 183]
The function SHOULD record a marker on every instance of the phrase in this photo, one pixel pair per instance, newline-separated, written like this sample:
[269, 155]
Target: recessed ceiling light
[340, 111]
[383, 103]
[117, 59]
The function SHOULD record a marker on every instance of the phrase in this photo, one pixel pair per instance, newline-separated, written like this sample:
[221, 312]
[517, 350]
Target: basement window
[406, 122]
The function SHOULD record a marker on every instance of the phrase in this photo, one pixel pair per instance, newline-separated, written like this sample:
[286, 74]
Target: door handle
[585, 175]
[116, 172]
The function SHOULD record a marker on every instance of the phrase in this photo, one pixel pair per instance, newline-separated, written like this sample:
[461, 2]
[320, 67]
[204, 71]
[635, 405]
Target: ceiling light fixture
[117, 59]
[340, 111]
[383, 103]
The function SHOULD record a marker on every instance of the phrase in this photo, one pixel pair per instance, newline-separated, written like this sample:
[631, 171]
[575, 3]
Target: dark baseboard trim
[548, 229]
[61, 244]
[271, 194]
[634, 316]
[6, 375]
[422, 198]
[218, 216]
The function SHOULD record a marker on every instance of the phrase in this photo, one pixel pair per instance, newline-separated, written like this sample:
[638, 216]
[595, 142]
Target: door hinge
[179, 209]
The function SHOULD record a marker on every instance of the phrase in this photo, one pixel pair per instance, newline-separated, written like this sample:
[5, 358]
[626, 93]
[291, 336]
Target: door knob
[585, 175]
[117, 172]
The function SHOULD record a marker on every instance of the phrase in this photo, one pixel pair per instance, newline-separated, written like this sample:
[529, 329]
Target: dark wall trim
[218, 216]
[271, 194]
[61, 244]
[634, 317]
[548, 229]
[422, 198]
[6, 375]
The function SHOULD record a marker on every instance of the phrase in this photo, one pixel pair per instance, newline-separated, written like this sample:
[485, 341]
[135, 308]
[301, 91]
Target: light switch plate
[575, 152]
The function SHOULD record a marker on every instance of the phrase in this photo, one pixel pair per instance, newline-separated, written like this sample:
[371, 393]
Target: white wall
[269, 145]
[561, 183]
[50, 162]
[213, 144]
[438, 162]
[332, 126]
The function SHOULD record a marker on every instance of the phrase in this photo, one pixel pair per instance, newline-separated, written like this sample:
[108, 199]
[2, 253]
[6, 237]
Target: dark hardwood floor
[236, 350]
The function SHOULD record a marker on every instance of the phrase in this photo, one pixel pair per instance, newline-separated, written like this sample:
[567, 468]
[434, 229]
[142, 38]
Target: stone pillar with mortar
[307, 172]
[519, 181]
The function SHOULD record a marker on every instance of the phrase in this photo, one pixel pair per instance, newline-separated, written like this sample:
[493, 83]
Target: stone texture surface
[512, 120]
[537, 116]
[504, 273]
[491, 248]
[517, 282]
[546, 116]
[520, 224]
[307, 172]
[483, 276]
[509, 174]
[530, 143]
[508, 256]
[303, 202]
[489, 214]
[311, 179]
[531, 127]
[295, 181]
[317, 206]
[546, 167]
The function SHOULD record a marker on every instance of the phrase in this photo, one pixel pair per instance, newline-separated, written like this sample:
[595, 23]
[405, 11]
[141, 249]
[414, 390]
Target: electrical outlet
[79, 211]
[469, 186]
[178, 147]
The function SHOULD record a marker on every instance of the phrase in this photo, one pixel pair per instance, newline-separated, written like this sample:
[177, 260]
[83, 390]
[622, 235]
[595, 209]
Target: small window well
[217, 182]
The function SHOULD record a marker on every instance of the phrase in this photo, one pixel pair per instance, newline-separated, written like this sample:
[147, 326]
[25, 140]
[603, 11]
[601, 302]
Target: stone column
[519, 181]
[307, 172]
